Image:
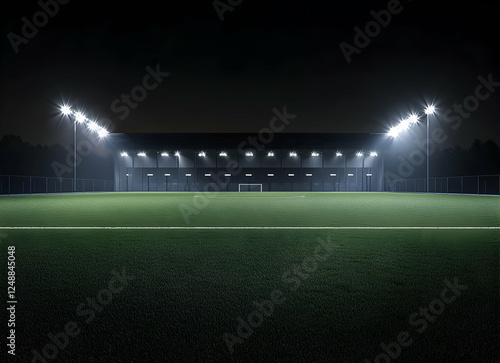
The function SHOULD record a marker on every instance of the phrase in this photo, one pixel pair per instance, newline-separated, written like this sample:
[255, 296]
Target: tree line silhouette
[18, 157]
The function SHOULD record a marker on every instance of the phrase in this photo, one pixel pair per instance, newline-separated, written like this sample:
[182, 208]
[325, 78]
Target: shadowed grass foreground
[342, 293]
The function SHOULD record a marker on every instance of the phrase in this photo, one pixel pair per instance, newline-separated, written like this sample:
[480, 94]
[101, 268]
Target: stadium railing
[20, 184]
[475, 184]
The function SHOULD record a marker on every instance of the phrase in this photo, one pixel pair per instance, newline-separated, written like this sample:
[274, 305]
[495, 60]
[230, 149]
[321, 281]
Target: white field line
[250, 228]
[247, 196]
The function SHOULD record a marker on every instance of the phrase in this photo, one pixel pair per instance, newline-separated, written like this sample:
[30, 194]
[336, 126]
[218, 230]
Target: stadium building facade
[242, 162]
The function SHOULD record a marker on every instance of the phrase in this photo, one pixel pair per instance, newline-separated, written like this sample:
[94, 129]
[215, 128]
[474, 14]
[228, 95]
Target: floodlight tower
[429, 110]
[406, 123]
[79, 117]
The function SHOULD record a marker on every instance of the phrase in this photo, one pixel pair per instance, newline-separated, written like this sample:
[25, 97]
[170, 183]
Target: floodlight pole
[92, 125]
[427, 154]
[74, 155]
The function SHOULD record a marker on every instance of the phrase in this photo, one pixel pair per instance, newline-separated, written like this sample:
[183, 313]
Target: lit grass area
[341, 293]
[249, 209]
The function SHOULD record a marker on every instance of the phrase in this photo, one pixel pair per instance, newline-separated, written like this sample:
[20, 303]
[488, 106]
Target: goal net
[249, 187]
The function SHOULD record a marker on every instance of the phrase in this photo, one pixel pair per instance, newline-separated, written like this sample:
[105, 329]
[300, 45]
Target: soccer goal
[249, 187]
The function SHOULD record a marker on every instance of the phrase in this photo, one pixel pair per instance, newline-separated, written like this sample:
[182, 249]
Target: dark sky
[227, 76]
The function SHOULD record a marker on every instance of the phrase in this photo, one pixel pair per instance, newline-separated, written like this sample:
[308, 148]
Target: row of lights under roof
[249, 153]
[247, 175]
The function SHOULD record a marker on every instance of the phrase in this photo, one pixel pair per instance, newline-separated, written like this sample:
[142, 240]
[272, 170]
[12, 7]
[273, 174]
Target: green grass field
[204, 294]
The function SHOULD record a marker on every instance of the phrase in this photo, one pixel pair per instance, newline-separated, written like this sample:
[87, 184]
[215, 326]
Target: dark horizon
[228, 76]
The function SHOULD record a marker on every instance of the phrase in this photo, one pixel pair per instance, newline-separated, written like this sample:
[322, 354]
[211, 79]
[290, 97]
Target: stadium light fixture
[223, 153]
[315, 153]
[429, 110]
[201, 154]
[66, 110]
[393, 132]
[373, 153]
[338, 153]
[403, 125]
[413, 119]
[249, 153]
[93, 126]
[293, 154]
[123, 153]
[177, 153]
[164, 154]
[102, 132]
[142, 153]
[80, 118]
[359, 154]
[270, 153]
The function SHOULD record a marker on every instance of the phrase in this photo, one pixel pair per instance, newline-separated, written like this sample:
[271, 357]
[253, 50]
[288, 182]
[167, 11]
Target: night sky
[227, 76]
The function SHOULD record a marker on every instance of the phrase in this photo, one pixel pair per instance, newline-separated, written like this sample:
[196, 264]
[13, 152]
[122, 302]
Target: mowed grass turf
[249, 209]
[343, 293]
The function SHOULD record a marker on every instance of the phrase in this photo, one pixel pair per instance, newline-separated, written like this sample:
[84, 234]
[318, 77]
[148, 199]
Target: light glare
[66, 110]
[92, 125]
[413, 119]
[405, 124]
[102, 132]
[80, 117]
[430, 110]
